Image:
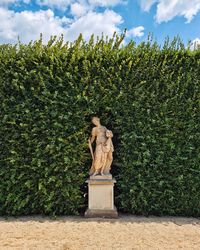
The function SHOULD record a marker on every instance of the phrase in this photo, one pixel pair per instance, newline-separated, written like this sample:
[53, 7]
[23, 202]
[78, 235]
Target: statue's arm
[93, 136]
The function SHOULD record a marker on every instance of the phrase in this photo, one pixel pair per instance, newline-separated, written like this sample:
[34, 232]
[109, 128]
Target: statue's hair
[95, 117]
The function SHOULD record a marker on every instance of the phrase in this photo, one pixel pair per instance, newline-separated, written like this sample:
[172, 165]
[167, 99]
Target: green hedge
[146, 94]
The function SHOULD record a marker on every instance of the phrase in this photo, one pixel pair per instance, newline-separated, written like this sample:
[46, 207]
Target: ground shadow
[123, 219]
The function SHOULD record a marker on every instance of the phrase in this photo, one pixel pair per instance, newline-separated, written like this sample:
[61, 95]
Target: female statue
[102, 157]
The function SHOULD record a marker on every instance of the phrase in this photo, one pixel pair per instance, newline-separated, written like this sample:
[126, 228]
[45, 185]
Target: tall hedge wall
[146, 94]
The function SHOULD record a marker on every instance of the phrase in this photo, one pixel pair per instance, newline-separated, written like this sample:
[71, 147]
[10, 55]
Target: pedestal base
[101, 197]
[99, 213]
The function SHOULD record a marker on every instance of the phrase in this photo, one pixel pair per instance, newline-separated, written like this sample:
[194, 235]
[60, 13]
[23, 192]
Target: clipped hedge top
[146, 94]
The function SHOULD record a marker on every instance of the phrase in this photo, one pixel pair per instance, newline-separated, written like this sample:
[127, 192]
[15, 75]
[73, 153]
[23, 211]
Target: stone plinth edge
[101, 177]
[102, 213]
[101, 181]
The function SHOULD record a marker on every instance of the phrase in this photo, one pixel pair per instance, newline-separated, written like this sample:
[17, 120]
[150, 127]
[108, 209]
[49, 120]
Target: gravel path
[77, 233]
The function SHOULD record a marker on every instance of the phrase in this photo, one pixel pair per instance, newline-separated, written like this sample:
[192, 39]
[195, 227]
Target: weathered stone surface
[101, 198]
[101, 183]
[99, 213]
[102, 157]
[101, 177]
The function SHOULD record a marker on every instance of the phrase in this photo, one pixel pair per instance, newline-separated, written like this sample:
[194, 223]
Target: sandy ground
[74, 233]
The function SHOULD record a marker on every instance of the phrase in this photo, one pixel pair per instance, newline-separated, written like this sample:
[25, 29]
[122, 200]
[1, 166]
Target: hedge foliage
[146, 94]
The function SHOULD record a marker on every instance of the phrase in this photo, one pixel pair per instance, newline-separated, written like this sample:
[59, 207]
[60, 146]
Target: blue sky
[26, 19]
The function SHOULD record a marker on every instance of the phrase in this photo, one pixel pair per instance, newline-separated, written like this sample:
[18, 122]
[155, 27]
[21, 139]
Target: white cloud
[95, 23]
[7, 32]
[77, 6]
[195, 44]
[78, 9]
[136, 32]
[7, 2]
[104, 3]
[168, 9]
[28, 25]
[147, 4]
[58, 4]
[81, 7]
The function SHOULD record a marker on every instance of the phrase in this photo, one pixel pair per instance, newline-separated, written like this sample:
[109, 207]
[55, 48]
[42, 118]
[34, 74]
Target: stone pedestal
[101, 197]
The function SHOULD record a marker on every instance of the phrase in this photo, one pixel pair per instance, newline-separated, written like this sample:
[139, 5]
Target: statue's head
[95, 120]
[109, 134]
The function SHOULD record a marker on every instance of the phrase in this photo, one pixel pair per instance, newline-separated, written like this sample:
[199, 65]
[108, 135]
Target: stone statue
[103, 155]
